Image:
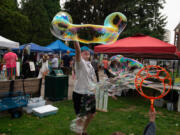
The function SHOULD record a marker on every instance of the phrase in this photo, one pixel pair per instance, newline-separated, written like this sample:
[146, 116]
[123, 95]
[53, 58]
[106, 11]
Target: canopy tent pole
[172, 80]
[60, 55]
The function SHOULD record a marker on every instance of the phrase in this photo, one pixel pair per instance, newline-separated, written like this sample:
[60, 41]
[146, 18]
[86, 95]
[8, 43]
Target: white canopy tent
[6, 43]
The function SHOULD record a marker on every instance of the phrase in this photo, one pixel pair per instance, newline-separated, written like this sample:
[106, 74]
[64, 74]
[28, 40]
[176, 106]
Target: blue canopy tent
[34, 48]
[59, 46]
[87, 48]
[72, 54]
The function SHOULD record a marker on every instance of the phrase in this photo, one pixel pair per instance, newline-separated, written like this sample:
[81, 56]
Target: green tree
[11, 22]
[52, 7]
[40, 12]
[143, 15]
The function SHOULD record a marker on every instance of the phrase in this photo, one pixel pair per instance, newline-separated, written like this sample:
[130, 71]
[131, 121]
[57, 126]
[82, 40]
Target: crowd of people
[33, 64]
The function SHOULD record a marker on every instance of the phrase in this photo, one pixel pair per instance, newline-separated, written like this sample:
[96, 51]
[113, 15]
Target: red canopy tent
[140, 46]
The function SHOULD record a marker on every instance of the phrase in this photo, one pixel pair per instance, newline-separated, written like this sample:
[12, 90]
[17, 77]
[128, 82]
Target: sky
[171, 10]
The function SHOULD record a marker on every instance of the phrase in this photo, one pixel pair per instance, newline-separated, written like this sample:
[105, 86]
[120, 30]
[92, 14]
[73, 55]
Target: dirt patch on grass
[131, 108]
[178, 133]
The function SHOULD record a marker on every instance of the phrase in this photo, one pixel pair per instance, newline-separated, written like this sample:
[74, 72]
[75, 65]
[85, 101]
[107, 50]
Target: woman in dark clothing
[95, 64]
[25, 64]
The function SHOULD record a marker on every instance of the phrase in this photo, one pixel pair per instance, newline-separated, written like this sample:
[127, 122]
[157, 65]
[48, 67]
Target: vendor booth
[59, 46]
[140, 46]
[146, 47]
[31, 86]
[6, 43]
[34, 48]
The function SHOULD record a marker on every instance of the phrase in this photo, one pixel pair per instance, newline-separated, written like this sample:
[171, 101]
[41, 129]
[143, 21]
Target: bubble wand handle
[152, 104]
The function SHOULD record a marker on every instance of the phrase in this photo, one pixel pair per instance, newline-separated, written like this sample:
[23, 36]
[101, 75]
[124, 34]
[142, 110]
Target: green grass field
[127, 114]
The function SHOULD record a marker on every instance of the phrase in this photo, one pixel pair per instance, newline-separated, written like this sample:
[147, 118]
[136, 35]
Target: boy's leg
[77, 103]
[90, 115]
[88, 120]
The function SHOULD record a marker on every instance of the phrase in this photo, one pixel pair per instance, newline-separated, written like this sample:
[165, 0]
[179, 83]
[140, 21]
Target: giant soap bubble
[119, 64]
[62, 28]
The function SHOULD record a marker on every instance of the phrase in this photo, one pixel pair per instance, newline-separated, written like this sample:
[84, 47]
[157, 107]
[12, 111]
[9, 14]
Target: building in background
[167, 36]
[177, 37]
[177, 44]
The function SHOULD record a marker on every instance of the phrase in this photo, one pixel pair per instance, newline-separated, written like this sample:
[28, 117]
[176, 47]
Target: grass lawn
[127, 114]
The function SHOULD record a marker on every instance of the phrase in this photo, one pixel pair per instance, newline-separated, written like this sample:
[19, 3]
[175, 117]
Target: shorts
[84, 104]
[11, 71]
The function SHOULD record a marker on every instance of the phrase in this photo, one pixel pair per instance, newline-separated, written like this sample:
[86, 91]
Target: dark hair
[8, 49]
[95, 56]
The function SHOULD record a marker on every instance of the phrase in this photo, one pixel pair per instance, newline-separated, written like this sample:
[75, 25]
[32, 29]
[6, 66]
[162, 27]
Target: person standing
[83, 97]
[105, 64]
[106, 68]
[72, 65]
[95, 64]
[10, 58]
[44, 68]
[66, 63]
[54, 62]
[25, 64]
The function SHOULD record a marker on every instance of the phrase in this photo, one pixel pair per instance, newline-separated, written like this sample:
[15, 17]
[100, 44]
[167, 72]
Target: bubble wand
[139, 80]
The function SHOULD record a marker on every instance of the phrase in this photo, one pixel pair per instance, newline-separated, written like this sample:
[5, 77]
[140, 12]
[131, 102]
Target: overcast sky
[172, 10]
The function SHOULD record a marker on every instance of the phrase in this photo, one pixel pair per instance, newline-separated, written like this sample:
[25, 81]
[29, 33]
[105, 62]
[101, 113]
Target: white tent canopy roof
[6, 43]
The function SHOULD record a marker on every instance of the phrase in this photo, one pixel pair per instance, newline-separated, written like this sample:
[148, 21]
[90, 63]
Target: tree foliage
[40, 12]
[11, 22]
[143, 15]
[31, 21]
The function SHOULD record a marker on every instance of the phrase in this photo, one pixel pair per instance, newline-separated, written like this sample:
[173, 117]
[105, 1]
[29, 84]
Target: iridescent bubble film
[114, 24]
[120, 63]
